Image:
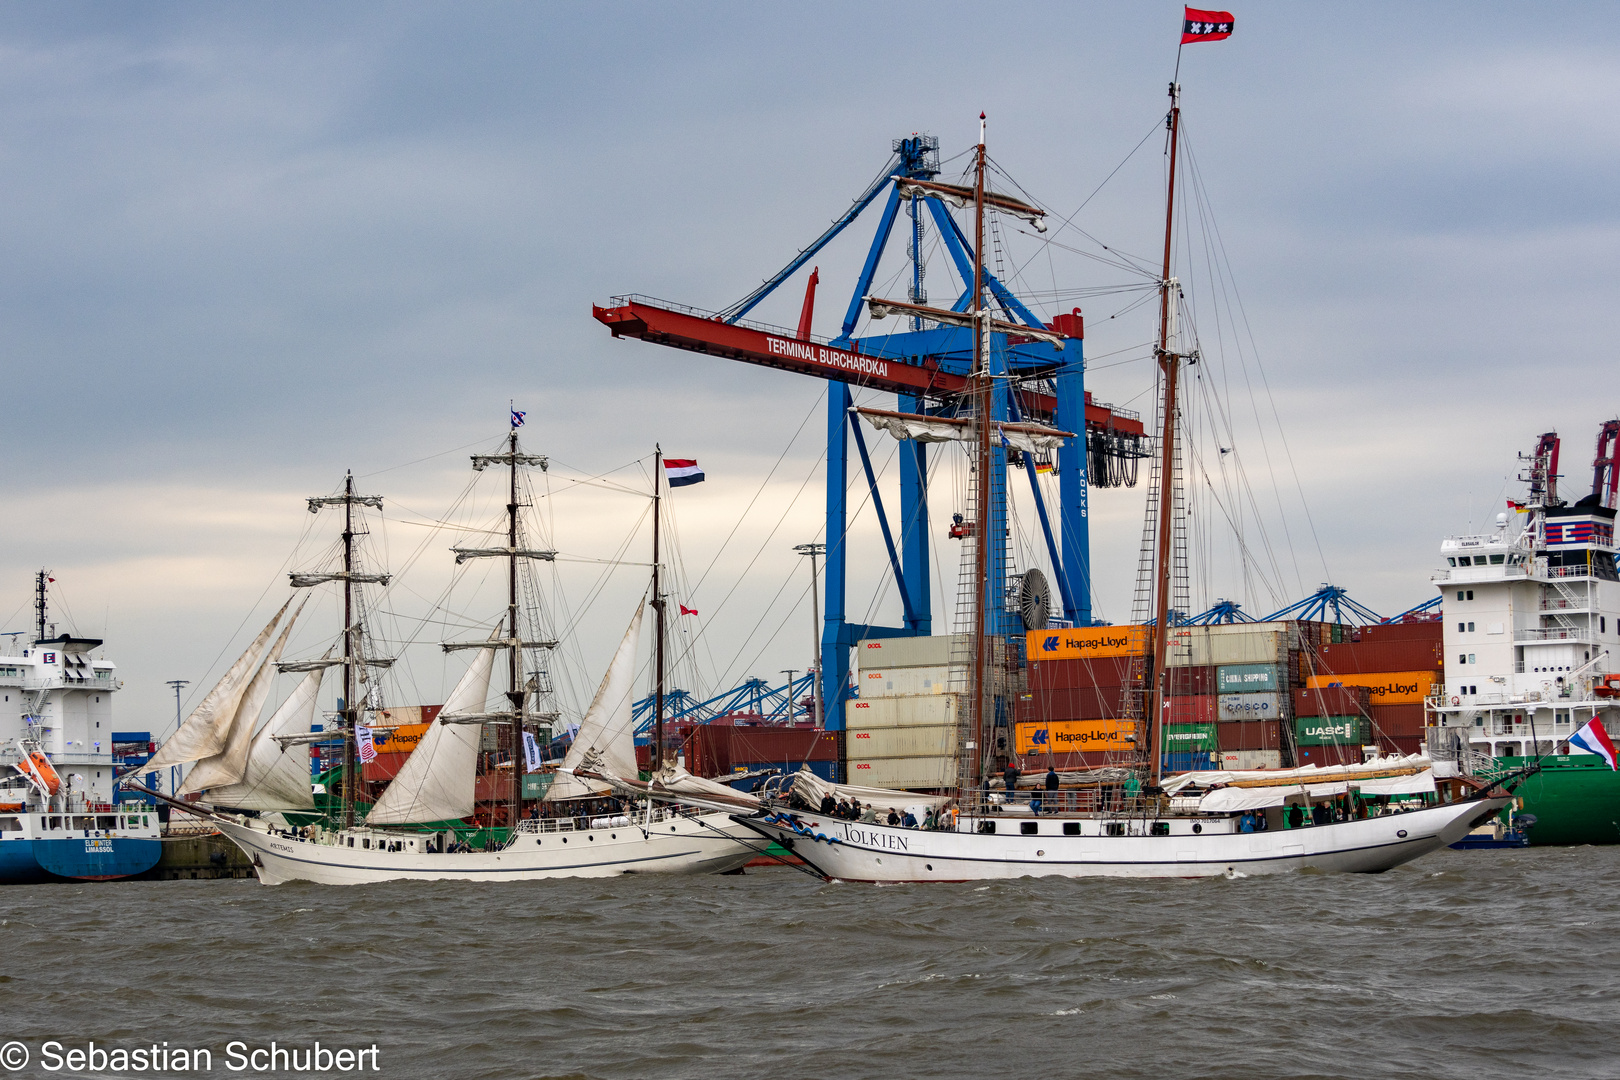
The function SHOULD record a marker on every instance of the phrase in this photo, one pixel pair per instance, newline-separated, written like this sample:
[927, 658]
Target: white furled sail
[607, 731]
[209, 726]
[1033, 438]
[276, 776]
[227, 766]
[438, 781]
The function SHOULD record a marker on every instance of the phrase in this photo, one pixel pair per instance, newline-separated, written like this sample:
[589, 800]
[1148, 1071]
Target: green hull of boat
[1575, 800]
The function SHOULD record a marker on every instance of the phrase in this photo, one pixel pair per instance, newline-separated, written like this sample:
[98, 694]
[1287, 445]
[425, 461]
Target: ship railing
[1554, 633]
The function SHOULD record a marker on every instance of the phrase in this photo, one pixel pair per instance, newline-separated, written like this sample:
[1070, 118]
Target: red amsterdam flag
[1206, 25]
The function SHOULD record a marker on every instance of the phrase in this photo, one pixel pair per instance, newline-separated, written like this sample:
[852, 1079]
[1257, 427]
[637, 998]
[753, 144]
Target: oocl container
[1251, 759]
[920, 773]
[926, 710]
[899, 652]
[901, 742]
[904, 681]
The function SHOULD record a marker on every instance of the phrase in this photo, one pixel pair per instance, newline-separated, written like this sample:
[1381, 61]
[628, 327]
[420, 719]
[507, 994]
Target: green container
[536, 784]
[1189, 738]
[1246, 679]
[1332, 730]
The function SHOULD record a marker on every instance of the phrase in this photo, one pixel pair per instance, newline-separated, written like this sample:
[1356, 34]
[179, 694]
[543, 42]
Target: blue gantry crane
[926, 365]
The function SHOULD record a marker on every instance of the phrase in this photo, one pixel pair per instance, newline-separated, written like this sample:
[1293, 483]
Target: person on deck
[910, 820]
[894, 816]
[829, 805]
[1009, 776]
[869, 815]
[1052, 781]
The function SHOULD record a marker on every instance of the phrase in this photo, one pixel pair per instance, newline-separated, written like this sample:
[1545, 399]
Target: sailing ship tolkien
[1131, 821]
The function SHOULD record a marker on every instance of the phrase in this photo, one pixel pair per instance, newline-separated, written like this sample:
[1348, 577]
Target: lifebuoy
[1455, 700]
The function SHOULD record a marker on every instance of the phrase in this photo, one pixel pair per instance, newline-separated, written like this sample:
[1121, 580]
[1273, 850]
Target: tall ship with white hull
[1129, 818]
[1532, 647]
[411, 831]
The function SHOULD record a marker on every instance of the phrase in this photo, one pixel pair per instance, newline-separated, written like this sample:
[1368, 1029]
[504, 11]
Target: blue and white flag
[682, 471]
[362, 742]
[531, 752]
[517, 418]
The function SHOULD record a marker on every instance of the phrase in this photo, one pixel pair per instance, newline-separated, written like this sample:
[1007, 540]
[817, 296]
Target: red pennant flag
[1206, 25]
[687, 610]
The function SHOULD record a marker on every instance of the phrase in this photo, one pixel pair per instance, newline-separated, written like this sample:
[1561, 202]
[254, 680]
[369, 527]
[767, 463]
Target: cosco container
[903, 681]
[1247, 678]
[918, 772]
[925, 710]
[1248, 707]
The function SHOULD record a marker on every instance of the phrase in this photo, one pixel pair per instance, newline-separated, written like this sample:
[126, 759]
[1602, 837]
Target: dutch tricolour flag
[1594, 740]
[682, 471]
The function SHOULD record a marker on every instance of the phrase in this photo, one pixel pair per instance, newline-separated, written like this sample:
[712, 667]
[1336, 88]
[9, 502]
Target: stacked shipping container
[901, 731]
[1380, 675]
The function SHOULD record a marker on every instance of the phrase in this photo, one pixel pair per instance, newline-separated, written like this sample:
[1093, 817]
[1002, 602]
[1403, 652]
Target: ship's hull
[34, 852]
[1574, 799]
[853, 851]
[705, 844]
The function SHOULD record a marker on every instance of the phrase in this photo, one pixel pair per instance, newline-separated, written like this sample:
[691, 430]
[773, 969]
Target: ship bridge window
[1498, 560]
[1453, 562]
[1459, 594]
[1470, 628]
[10, 824]
[1463, 560]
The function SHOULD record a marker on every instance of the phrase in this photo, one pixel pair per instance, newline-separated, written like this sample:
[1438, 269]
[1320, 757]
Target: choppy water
[1463, 965]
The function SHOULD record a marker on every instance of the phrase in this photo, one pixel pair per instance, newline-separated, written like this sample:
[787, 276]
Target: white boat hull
[855, 851]
[701, 844]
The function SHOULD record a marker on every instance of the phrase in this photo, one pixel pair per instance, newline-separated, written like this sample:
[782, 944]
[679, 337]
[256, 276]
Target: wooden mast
[656, 759]
[351, 713]
[982, 396]
[514, 668]
[1169, 368]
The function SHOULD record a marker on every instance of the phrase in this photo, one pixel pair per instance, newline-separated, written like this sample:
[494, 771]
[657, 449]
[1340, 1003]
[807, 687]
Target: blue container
[823, 769]
[1190, 762]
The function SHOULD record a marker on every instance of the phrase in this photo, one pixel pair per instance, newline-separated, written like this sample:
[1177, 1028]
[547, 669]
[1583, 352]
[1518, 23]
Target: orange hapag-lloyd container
[1385, 687]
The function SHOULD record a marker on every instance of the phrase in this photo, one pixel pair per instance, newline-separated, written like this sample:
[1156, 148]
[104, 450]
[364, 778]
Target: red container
[1332, 701]
[1329, 755]
[1076, 674]
[1366, 658]
[1248, 735]
[493, 787]
[1401, 744]
[783, 744]
[1401, 721]
[1421, 631]
[1190, 681]
[1093, 703]
[383, 767]
[1198, 709]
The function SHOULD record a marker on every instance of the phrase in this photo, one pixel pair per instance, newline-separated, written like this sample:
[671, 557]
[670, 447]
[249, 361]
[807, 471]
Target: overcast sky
[252, 246]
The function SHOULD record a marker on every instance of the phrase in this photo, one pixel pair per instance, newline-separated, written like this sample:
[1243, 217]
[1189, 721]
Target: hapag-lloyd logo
[821, 354]
[1057, 641]
[1399, 688]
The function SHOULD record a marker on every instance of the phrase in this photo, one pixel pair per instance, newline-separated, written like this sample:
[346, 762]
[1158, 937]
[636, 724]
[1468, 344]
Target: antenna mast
[40, 581]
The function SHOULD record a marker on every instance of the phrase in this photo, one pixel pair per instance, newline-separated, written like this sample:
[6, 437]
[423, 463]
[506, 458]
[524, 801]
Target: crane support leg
[1073, 493]
[834, 647]
[883, 519]
[914, 525]
[863, 284]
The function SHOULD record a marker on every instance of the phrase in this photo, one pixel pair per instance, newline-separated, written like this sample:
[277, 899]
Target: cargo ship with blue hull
[60, 757]
[1532, 648]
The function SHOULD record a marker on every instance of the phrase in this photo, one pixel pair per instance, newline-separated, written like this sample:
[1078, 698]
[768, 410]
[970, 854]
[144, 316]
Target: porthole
[1197, 828]
[565, 839]
[930, 866]
[615, 836]
[672, 828]
[1401, 833]
[590, 837]
[1040, 853]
